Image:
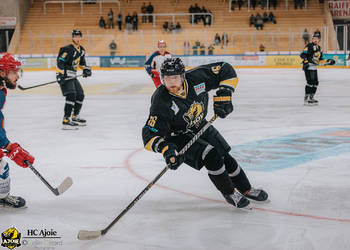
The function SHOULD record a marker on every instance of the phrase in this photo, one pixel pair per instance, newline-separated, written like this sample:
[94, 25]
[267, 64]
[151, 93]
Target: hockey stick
[89, 235]
[43, 84]
[67, 183]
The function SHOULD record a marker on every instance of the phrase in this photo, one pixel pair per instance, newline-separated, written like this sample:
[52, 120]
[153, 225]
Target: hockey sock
[236, 174]
[78, 104]
[4, 179]
[308, 89]
[68, 107]
[217, 172]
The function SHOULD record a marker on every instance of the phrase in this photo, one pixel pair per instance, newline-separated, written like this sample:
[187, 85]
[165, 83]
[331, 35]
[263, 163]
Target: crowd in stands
[254, 4]
[258, 21]
[131, 22]
[206, 19]
[170, 28]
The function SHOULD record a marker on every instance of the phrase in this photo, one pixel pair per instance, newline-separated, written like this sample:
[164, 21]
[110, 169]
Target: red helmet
[160, 42]
[9, 62]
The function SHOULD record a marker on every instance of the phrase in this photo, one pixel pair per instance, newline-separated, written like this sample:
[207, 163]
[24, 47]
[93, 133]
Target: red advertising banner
[340, 9]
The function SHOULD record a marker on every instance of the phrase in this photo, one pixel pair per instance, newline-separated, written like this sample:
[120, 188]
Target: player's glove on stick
[223, 103]
[330, 62]
[19, 155]
[60, 78]
[87, 72]
[171, 156]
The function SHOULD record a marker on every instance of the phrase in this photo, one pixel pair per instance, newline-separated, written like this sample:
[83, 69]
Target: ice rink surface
[299, 154]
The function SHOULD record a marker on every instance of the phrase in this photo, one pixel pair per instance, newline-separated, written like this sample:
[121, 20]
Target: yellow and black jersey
[312, 55]
[71, 58]
[173, 114]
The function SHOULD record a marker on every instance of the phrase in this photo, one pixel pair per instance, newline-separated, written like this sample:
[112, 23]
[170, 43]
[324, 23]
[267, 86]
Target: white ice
[309, 208]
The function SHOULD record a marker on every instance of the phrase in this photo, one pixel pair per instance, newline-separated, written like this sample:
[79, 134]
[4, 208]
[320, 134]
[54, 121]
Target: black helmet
[172, 66]
[77, 33]
[317, 34]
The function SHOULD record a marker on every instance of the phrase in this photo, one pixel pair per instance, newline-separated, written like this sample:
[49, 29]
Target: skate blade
[68, 127]
[81, 124]
[244, 209]
[10, 208]
[259, 202]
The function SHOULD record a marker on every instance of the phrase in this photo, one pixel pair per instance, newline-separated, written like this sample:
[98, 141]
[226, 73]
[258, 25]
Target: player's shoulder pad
[161, 101]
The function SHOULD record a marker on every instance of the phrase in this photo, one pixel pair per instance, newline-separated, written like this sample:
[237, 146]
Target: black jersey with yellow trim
[312, 54]
[173, 114]
[71, 57]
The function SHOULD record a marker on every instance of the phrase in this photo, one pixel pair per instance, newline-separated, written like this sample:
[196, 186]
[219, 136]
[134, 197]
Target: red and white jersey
[155, 61]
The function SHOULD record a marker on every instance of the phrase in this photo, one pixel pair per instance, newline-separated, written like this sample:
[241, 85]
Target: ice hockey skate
[310, 101]
[13, 202]
[78, 120]
[257, 195]
[69, 125]
[238, 200]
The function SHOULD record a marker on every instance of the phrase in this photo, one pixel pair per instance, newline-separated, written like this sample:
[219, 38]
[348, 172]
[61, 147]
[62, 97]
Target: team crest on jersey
[194, 115]
[200, 88]
[216, 69]
[11, 238]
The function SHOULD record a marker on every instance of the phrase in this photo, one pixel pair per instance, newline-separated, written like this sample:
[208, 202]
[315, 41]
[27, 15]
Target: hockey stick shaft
[57, 191]
[43, 84]
[86, 235]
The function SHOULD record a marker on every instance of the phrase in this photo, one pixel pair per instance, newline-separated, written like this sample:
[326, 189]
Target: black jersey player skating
[71, 58]
[312, 57]
[178, 110]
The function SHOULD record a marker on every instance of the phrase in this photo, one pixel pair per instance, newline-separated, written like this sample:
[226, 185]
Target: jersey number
[152, 121]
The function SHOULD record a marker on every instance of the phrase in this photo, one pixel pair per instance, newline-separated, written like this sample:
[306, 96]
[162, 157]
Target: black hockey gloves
[330, 62]
[60, 78]
[86, 72]
[223, 103]
[171, 156]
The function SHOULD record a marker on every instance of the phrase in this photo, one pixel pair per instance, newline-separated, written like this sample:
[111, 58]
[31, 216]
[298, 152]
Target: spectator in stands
[171, 27]
[120, 20]
[190, 10]
[224, 39]
[178, 27]
[102, 23]
[128, 23]
[135, 21]
[240, 3]
[211, 49]
[186, 48]
[197, 43]
[144, 11]
[196, 9]
[233, 3]
[261, 48]
[306, 36]
[262, 4]
[203, 17]
[259, 23]
[265, 17]
[110, 19]
[112, 48]
[166, 26]
[150, 10]
[209, 17]
[252, 20]
[202, 50]
[253, 3]
[217, 39]
[274, 3]
[272, 18]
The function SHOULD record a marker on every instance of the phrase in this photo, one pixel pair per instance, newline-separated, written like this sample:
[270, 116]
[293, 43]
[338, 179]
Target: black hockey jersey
[312, 55]
[71, 58]
[172, 114]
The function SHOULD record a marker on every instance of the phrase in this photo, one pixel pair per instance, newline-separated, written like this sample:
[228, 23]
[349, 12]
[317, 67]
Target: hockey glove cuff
[172, 157]
[223, 103]
[19, 155]
[60, 78]
[330, 62]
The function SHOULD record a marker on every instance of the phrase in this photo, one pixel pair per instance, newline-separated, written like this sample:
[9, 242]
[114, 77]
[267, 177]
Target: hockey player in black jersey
[312, 56]
[178, 110]
[71, 58]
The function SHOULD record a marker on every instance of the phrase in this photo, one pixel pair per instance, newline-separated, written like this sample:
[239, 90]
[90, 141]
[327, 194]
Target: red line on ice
[133, 172]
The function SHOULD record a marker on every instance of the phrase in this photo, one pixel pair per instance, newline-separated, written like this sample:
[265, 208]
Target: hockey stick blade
[64, 186]
[89, 235]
